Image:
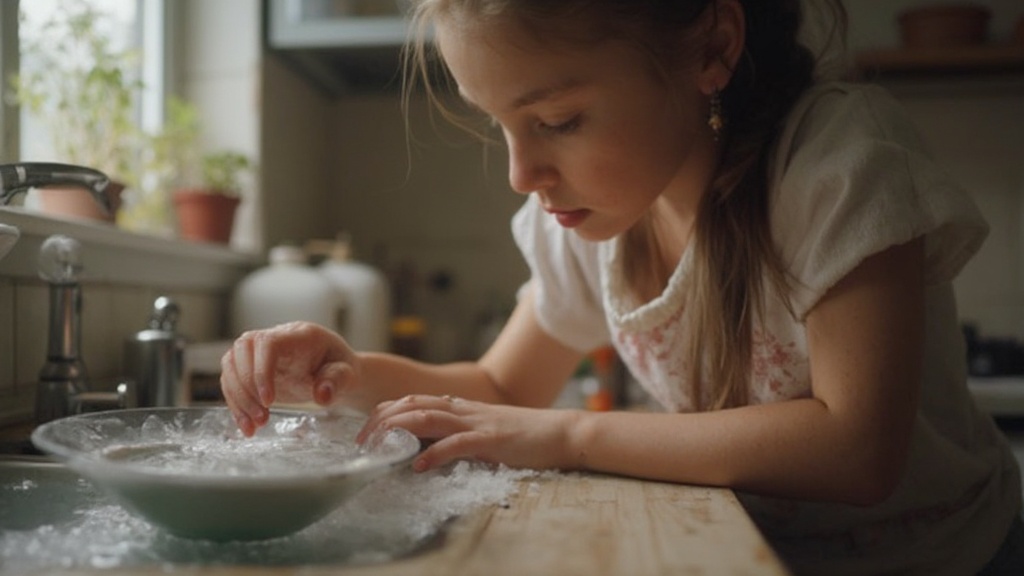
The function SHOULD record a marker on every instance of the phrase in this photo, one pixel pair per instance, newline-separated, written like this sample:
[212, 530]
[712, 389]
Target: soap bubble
[392, 518]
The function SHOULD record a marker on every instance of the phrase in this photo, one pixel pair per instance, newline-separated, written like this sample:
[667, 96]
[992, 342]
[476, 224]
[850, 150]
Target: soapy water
[211, 445]
[391, 518]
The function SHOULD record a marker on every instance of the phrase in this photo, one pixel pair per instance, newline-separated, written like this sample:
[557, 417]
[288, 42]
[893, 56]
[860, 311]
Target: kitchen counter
[569, 524]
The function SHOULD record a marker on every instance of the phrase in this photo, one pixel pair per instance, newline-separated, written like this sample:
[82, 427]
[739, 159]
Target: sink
[53, 519]
[36, 491]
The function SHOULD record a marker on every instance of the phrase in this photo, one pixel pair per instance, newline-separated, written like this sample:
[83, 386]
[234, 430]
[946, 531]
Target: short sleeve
[850, 179]
[565, 276]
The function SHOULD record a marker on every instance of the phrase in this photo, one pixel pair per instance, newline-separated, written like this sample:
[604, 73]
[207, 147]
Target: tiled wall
[110, 314]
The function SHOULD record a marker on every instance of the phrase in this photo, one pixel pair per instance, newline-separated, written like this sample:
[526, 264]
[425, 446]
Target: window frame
[114, 254]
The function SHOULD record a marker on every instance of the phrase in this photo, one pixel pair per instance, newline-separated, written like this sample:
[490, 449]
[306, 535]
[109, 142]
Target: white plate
[191, 472]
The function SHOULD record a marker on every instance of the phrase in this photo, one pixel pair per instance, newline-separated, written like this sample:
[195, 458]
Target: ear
[725, 43]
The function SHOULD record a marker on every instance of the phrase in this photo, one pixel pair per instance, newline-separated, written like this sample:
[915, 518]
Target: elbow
[873, 482]
[871, 492]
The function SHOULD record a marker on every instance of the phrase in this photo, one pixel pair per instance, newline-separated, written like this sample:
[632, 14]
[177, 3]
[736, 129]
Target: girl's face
[593, 132]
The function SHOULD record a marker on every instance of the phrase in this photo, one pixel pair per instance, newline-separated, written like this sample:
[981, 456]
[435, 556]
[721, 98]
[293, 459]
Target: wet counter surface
[571, 524]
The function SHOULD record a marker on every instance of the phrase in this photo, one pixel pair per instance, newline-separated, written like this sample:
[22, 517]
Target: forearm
[788, 449]
[388, 377]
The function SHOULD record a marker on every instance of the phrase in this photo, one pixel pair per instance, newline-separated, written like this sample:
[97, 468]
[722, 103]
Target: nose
[529, 168]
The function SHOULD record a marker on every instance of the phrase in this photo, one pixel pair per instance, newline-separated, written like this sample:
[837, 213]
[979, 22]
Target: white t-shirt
[849, 178]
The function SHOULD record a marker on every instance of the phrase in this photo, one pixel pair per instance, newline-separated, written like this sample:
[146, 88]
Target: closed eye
[567, 127]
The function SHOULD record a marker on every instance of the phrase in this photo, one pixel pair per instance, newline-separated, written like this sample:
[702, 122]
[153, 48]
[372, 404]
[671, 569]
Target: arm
[848, 442]
[301, 361]
[524, 367]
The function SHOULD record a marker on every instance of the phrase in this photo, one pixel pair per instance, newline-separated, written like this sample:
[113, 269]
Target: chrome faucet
[17, 178]
[63, 387]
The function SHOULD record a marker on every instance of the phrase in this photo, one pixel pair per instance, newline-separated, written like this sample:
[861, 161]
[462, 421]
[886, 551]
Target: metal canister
[154, 358]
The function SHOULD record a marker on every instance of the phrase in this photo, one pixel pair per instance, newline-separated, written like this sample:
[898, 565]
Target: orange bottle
[602, 398]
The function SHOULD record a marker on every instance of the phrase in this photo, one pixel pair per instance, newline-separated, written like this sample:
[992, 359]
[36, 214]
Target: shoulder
[837, 119]
[851, 177]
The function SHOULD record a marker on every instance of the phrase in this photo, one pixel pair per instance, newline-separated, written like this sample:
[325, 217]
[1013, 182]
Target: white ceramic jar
[286, 290]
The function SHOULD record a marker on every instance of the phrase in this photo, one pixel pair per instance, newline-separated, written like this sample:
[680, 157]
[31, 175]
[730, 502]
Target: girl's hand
[464, 429]
[294, 362]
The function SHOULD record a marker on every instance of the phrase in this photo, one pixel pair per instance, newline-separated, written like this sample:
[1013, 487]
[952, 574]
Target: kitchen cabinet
[339, 48]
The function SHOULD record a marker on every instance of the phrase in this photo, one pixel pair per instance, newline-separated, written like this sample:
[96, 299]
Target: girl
[770, 255]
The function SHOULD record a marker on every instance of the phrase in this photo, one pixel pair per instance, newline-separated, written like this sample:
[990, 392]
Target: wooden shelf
[995, 59]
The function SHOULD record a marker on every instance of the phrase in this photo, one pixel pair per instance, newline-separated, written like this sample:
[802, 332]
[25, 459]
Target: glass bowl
[191, 472]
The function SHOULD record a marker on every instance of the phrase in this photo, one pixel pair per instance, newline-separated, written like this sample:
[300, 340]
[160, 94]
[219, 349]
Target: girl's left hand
[464, 429]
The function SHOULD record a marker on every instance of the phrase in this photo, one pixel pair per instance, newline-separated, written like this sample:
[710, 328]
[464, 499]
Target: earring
[716, 121]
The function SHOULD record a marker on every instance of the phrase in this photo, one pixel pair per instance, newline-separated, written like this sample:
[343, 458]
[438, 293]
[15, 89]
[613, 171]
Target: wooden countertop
[568, 524]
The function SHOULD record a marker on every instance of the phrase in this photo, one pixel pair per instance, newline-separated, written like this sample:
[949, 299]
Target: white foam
[212, 446]
[390, 518]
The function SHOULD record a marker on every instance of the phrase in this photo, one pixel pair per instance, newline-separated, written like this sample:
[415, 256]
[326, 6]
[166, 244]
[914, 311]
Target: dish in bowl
[191, 472]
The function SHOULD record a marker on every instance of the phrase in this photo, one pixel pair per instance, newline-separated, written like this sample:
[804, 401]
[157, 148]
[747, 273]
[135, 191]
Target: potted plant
[168, 158]
[206, 212]
[82, 87]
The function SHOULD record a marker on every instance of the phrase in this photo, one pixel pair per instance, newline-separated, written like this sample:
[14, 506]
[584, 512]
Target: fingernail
[244, 424]
[419, 465]
[324, 393]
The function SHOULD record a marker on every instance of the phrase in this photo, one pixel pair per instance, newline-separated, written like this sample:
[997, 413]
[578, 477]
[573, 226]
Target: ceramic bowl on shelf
[191, 472]
[944, 26]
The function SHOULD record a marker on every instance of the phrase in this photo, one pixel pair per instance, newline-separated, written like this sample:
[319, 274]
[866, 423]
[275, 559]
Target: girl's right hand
[294, 362]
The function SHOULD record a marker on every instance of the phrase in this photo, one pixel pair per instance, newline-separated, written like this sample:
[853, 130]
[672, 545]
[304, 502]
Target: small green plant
[166, 157]
[83, 88]
[222, 171]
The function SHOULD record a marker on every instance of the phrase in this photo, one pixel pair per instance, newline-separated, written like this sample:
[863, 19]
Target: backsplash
[122, 275]
[110, 314]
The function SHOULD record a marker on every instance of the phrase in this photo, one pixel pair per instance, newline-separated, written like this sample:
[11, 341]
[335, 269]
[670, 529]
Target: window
[131, 34]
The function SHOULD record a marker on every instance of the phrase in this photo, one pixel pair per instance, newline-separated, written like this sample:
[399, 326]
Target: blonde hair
[735, 263]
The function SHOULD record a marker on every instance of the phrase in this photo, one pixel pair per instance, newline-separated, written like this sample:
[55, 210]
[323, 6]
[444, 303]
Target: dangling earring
[716, 121]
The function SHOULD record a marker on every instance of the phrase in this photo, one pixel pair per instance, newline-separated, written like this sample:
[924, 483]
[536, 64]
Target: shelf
[996, 59]
[999, 396]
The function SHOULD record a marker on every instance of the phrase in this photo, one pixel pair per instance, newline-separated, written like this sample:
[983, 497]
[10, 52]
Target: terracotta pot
[945, 26]
[75, 202]
[205, 216]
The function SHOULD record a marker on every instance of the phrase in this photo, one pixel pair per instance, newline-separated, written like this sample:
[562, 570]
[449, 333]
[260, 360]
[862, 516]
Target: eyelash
[567, 127]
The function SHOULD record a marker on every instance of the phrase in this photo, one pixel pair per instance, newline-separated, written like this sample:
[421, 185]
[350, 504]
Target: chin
[595, 235]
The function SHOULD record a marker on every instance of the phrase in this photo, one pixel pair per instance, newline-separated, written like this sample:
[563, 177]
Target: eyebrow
[545, 93]
[533, 96]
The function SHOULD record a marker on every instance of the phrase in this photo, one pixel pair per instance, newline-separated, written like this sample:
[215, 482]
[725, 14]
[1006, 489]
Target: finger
[264, 364]
[388, 410]
[462, 446]
[332, 378]
[245, 407]
[426, 424]
[241, 358]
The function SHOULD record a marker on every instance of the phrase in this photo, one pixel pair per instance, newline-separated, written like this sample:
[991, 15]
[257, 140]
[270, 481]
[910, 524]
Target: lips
[570, 218]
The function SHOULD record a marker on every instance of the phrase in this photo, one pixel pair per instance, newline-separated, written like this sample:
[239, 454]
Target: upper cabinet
[343, 46]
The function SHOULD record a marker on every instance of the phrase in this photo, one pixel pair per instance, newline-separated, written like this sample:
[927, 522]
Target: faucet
[17, 178]
[63, 387]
